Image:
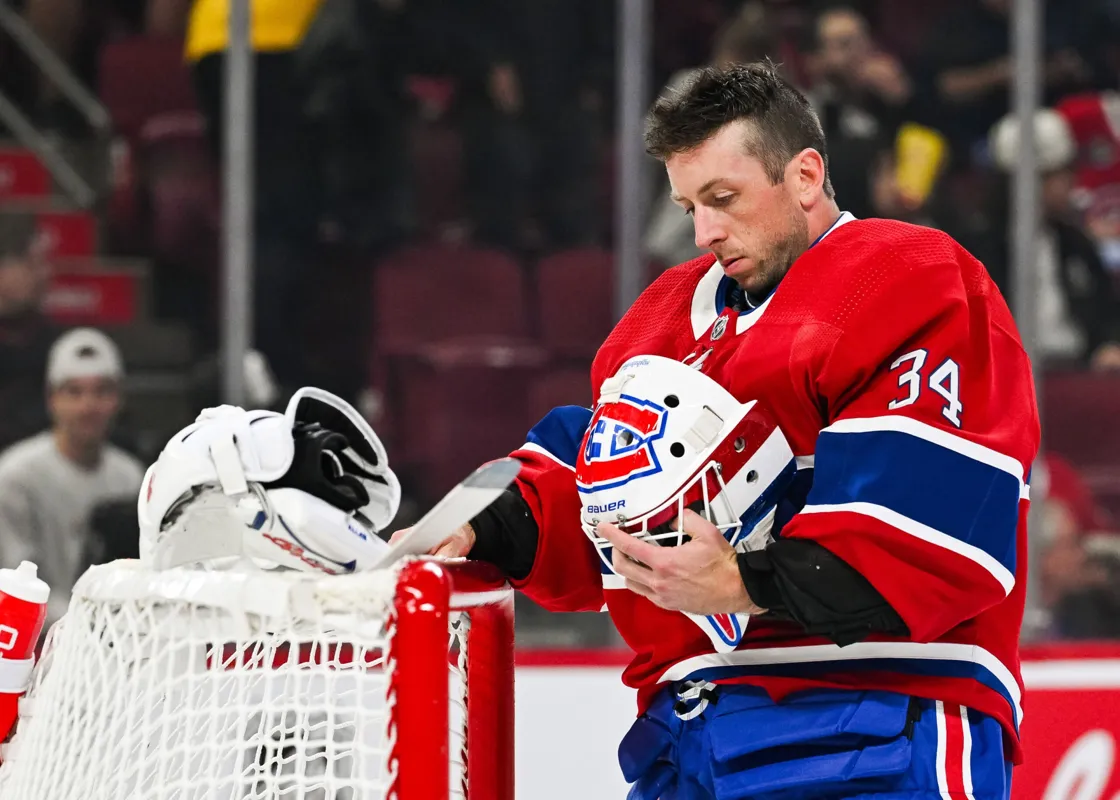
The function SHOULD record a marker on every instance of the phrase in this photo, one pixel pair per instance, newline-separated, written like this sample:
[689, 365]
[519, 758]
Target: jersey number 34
[945, 380]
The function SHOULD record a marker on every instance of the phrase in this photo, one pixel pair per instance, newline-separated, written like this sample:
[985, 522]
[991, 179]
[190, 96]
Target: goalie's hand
[457, 545]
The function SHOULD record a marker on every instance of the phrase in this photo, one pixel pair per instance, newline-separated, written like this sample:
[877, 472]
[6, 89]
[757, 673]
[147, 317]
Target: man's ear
[808, 176]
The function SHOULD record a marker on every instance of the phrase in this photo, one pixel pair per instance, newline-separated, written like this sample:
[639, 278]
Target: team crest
[725, 630]
[720, 327]
[619, 444]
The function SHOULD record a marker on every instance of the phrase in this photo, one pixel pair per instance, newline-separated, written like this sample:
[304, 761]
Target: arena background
[403, 201]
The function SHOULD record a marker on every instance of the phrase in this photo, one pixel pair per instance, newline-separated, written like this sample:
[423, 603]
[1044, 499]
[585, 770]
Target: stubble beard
[780, 257]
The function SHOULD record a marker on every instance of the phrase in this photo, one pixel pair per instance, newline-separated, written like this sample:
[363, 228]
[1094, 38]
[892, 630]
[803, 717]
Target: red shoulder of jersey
[658, 319]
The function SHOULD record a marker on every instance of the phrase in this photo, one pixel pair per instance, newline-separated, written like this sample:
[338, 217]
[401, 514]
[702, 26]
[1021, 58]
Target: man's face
[843, 42]
[756, 229]
[22, 283]
[1057, 191]
[84, 408]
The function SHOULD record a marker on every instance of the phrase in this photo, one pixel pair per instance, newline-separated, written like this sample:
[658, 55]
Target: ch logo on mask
[619, 445]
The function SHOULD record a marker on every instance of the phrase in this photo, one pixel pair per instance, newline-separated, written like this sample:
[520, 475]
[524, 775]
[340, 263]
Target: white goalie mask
[665, 437]
[308, 489]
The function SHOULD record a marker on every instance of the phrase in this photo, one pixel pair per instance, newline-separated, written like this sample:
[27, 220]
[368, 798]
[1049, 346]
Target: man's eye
[722, 200]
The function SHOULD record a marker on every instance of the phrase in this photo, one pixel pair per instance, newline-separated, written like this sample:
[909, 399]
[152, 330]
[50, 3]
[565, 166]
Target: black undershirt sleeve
[794, 579]
[506, 535]
[802, 581]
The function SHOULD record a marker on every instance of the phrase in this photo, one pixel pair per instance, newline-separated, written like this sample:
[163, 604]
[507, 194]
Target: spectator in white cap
[1078, 320]
[54, 483]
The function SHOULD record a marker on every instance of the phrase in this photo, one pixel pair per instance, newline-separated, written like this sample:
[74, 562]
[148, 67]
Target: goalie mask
[308, 489]
[665, 437]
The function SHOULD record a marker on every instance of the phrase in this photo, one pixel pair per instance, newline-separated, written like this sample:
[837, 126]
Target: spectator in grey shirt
[51, 483]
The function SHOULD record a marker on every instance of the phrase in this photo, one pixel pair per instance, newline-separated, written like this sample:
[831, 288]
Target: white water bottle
[23, 610]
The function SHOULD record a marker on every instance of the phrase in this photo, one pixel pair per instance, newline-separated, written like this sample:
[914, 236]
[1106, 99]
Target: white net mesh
[188, 685]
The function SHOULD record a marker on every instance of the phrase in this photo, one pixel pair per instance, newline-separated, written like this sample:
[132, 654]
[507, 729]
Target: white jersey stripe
[925, 533]
[937, 436]
[966, 758]
[931, 651]
[612, 580]
[942, 742]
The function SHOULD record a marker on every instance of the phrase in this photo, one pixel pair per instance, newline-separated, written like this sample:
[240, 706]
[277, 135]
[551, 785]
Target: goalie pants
[699, 741]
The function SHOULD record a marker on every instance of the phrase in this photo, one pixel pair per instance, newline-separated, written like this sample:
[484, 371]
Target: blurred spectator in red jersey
[1094, 120]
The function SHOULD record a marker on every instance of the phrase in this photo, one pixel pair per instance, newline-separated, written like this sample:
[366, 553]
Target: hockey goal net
[197, 685]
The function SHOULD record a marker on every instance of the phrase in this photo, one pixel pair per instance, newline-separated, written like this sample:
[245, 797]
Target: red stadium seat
[434, 293]
[183, 190]
[22, 176]
[560, 387]
[575, 290]
[66, 234]
[1081, 421]
[141, 78]
[458, 405]
[440, 296]
[145, 84]
[1081, 417]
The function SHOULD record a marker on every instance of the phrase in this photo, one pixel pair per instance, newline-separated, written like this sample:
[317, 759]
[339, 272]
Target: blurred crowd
[441, 129]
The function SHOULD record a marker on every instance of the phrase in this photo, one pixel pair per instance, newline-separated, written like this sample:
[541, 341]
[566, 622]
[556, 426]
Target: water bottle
[23, 610]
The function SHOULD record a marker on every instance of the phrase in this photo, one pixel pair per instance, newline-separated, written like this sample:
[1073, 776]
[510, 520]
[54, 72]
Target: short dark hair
[784, 123]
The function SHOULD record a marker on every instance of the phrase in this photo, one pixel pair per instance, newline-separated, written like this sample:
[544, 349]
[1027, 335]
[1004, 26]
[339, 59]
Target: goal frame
[427, 593]
[447, 666]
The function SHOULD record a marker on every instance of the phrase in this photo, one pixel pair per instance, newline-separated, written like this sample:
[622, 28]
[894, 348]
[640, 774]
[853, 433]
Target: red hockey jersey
[895, 370]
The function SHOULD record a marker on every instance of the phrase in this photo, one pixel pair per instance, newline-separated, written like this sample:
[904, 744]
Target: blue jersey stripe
[969, 500]
[560, 432]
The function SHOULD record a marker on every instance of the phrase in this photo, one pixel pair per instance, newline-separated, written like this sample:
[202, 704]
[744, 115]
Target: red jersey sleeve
[565, 574]
[920, 474]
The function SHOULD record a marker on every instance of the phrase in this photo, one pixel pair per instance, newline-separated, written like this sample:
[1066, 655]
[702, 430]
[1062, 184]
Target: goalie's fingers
[457, 545]
[396, 536]
[449, 549]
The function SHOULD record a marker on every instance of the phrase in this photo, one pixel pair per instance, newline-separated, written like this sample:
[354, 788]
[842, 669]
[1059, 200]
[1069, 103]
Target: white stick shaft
[458, 507]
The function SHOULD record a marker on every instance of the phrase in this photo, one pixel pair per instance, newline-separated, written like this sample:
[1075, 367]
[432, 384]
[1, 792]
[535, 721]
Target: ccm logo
[8, 638]
[299, 553]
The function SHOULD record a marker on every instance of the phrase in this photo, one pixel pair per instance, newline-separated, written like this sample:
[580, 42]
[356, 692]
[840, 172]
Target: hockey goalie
[801, 492]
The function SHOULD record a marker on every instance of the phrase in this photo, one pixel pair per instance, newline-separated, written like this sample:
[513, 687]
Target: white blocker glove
[309, 489]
